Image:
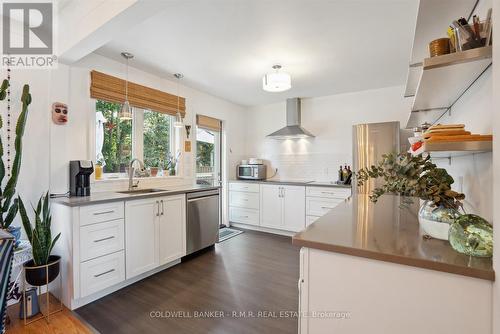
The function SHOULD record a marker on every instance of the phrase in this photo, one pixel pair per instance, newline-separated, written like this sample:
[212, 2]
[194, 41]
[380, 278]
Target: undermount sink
[141, 191]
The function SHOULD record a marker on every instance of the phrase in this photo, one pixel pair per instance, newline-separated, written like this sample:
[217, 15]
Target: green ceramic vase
[472, 235]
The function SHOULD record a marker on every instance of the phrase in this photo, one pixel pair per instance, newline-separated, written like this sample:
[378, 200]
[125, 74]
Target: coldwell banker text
[28, 35]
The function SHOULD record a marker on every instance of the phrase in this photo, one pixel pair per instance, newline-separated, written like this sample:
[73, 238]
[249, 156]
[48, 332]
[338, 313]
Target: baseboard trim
[264, 229]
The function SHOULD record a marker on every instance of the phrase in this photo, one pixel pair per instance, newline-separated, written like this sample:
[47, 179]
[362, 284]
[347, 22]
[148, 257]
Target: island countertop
[386, 232]
[114, 196]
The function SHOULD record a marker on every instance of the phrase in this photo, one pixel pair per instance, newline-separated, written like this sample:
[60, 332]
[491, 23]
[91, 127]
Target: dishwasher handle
[201, 194]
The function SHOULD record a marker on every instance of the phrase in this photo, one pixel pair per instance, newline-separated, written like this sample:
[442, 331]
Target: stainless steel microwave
[251, 172]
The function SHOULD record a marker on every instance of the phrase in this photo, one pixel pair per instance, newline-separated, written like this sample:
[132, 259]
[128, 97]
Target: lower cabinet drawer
[244, 216]
[328, 192]
[310, 220]
[320, 206]
[97, 213]
[101, 239]
[101, 273]
[244, 200]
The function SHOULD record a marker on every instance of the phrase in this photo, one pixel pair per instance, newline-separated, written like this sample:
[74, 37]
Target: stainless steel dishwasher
[202, 219]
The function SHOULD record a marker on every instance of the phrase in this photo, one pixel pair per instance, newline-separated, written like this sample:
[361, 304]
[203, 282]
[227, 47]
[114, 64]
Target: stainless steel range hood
[293, 128]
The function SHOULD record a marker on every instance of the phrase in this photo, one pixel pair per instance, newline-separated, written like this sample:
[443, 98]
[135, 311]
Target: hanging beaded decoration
[8, 121]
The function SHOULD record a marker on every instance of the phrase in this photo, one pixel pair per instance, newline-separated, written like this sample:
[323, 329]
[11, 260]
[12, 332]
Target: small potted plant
[43, 268]
[171, 164]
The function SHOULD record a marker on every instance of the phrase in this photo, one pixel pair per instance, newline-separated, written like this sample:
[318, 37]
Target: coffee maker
[79, 177]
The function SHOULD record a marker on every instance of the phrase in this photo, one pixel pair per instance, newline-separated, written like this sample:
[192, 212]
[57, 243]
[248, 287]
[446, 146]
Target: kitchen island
[366, 267]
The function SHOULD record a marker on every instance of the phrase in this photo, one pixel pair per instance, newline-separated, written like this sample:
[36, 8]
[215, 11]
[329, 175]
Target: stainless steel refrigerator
[370, 142]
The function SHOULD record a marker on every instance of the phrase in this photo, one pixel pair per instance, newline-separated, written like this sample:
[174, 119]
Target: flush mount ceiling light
[276, 81]
[178, 116]
[126, 111]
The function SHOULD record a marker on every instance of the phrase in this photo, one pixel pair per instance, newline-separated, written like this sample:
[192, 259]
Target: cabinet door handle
[157, 208]
[103, 212]
[162, 208]
[104, 273]
[326, 207]
[104, 239]
[327, 192]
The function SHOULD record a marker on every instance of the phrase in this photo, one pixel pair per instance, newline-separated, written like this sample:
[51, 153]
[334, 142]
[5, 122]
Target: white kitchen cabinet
[283, 207]
[244, 203]
[271, 206]
[141, 235]
[352, 295]
[320, 200]
[294, 213]
[172, 228]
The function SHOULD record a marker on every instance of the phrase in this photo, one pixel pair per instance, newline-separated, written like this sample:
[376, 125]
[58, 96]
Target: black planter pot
[37, 275]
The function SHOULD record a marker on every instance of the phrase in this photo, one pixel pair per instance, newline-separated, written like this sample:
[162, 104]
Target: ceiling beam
[85, 26]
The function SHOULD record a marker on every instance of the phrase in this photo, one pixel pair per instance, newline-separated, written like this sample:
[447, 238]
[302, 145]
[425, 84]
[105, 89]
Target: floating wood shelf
[443, 80]
[442, 149]
[433, 16]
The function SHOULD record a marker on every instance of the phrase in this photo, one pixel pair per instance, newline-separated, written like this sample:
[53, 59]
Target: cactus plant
[9, 207]
[40, 236]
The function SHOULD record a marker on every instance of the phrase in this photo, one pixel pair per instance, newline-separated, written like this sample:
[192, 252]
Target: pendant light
[178, 116]
[126, 111]
[276, 81]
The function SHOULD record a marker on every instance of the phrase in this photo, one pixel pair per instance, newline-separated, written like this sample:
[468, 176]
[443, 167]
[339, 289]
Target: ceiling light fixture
[126, 111]
[276, 81]
[178, 116]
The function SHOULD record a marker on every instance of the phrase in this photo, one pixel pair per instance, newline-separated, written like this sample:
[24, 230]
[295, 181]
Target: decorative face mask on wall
[59, 113]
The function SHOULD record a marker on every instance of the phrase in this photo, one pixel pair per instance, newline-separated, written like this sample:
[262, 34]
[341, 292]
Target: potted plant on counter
[43, 268]
[9, 206]
[416, 176]
[171, 164]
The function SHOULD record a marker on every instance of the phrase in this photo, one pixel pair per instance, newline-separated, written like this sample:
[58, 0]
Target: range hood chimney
[292, 130]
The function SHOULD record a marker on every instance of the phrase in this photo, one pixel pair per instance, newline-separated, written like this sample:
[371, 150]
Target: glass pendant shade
[125, 112]
[178, 121]
[178, 117]
[276, 81]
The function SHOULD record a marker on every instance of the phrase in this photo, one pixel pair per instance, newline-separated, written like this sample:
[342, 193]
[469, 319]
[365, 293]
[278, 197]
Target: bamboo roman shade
[208, 123]
[109, 88]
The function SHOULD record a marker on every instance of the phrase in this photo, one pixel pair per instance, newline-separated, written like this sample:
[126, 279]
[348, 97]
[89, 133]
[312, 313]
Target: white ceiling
[224, 47]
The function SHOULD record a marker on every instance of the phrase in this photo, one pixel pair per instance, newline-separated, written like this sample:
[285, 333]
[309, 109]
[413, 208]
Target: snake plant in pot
[43, 268]
[9, 205]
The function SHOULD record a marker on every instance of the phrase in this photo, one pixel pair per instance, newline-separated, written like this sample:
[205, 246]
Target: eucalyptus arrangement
[412, 176]
[9, 206]
[416, 176]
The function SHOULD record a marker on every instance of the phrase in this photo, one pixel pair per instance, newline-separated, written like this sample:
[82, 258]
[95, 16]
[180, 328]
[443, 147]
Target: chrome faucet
[131, 172]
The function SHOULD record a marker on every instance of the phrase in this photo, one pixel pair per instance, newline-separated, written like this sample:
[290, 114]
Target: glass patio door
[209, 153]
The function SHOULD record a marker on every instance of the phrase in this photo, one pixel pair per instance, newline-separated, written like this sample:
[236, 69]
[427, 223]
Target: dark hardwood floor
[253, 274]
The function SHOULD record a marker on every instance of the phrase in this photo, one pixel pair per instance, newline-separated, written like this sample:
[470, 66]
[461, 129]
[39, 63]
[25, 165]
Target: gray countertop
[383, 231]
[111, 196]
[296, 183]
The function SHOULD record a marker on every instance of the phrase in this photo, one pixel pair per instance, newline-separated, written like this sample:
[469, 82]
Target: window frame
[137, 141]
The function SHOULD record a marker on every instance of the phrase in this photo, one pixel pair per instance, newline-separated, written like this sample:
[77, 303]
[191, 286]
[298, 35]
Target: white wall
[496, 165]
[330, 119]
[473, 174]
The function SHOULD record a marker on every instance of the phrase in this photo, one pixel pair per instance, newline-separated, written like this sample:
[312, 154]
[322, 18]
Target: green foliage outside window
[117, 147]
[205, 152]
[156, 138]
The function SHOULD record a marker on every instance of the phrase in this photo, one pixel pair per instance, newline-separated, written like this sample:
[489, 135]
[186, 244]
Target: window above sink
[149, 136]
